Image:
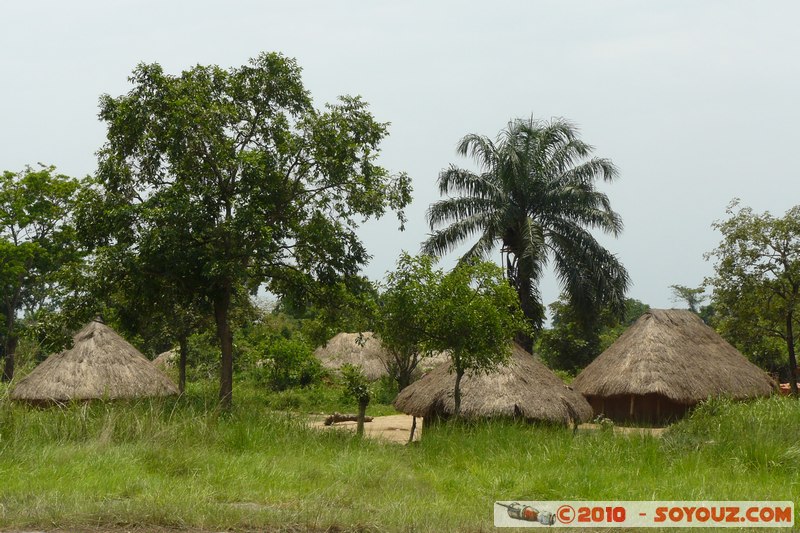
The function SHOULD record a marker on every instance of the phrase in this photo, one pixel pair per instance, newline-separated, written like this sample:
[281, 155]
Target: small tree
[757, 277]
[357, 387]
[473, 314]
[36, 241]
[692, 297]
[573, 341]
[401, 321]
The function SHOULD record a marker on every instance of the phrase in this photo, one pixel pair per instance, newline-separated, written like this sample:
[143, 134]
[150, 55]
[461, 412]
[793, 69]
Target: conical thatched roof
[671, 352]
[369, 353]
[346, 348]
[523, 387]
[166, 359]
[101, 364]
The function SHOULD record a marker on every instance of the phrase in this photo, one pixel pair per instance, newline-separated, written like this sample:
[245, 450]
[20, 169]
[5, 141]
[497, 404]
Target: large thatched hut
[364, 349]
[100, 364]
[665, 363]
[522, 388]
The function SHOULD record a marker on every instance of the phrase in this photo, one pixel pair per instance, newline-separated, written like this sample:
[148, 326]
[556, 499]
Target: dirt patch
[624, 430]
[393, 428]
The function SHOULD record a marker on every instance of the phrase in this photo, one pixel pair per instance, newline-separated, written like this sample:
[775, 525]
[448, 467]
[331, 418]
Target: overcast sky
[695, 101]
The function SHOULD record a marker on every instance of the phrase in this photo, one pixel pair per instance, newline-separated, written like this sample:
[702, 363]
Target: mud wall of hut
[649, 409]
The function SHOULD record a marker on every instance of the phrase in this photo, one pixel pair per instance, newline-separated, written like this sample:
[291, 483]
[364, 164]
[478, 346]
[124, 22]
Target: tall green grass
[180, 463]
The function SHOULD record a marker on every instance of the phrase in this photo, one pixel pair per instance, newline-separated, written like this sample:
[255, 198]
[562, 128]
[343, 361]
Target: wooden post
[413, 428]
[631, 405]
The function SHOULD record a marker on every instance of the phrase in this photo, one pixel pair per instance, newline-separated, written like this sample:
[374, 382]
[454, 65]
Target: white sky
[695, 102]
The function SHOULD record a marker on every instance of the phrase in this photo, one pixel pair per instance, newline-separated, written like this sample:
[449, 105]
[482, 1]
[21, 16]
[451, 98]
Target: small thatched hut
[523, 388]
[368, 352]
[362, 349]
[101, 364]
[166, 359]
[665, 363]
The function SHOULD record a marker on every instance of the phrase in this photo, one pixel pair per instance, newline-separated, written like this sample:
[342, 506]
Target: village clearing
[397, 428]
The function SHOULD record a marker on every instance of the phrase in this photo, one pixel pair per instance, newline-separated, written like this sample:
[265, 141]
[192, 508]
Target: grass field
[180, 464]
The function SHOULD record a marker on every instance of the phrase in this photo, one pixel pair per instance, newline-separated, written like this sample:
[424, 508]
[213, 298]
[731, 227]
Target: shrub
[289, 363]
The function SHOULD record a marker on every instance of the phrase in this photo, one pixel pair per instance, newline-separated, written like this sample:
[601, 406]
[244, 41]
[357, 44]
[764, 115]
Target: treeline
[216, 185]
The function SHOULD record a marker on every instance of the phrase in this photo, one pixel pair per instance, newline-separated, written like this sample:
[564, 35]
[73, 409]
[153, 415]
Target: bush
[385, 390]
[289, 363]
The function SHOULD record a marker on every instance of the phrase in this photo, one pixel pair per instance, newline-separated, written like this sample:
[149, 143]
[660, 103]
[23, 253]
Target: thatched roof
[166, 359]
[101, 364]
[369, 353]
[524, 387]
[348, 348]
[673, 353]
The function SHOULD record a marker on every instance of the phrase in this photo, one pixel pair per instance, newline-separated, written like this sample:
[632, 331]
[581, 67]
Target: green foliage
[573, 341]
[324, 311]
[692, 297]
[756, 284]
[230, 179]
[474, 314]
[356, 385]
[290, 363]
[471, 313]
[401, 317]
[714, 429]
[535, 195]
[37, 246]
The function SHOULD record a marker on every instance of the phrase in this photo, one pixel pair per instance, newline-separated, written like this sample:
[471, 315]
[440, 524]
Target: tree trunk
[413, 429]
[403, 379]
[530, 308]
[8, 368]
[792, 356]
[457, 394]
[362, 413]
[221, 307]
[184, 351]
[10, 348]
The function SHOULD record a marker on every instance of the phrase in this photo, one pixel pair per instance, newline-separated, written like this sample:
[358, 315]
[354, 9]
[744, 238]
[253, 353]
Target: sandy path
[394, 428]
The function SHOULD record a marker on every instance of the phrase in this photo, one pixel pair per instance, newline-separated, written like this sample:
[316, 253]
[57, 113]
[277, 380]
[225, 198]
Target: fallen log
[339, 417]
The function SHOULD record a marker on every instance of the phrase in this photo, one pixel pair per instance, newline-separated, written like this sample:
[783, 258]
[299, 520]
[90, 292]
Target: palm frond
[479, 148]
[454, 209]
[447, 239]
[454, 180]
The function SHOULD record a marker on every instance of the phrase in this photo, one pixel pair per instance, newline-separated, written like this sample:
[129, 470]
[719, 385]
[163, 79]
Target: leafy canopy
[535, 196]
[37, 248]
[757, 279]
[230, 179]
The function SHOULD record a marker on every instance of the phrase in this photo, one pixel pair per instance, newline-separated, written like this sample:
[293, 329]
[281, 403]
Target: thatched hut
[166, 359]
[664, 364]
[522, 388]
[101, 364]
[364, 349]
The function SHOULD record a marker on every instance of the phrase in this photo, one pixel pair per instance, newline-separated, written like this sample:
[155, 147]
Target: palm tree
[534, 196]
